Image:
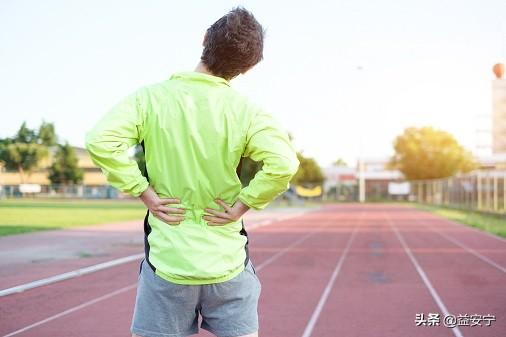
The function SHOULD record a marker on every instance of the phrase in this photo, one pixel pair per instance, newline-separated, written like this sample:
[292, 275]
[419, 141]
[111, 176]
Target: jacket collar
[198, 76]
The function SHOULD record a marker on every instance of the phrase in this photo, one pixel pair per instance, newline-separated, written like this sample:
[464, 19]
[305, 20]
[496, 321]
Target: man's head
[233, 44]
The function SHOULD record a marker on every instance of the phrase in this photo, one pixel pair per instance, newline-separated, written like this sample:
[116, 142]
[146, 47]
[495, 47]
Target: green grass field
[495, 224]
[27, 215]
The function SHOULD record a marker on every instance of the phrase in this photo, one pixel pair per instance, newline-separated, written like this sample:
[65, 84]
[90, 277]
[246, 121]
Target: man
[194, 129]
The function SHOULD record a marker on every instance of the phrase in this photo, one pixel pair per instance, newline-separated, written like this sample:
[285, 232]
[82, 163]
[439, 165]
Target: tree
[428, 153]
[339, 162]
[47, 135]
[25, 135]
[248, 170]
[23, 152]
[309, 172]
[140, 158]
[64, 169]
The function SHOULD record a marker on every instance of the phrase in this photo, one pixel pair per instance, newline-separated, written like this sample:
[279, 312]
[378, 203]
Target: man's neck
[201, 68]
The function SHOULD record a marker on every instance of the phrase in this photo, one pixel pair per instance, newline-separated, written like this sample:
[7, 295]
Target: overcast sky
[337, 74]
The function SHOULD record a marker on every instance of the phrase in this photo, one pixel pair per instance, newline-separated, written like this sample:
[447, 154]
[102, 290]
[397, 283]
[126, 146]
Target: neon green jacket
[195, 129]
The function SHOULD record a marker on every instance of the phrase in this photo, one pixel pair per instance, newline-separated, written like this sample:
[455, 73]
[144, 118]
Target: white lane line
[113, 263]
[423, 275]
[468, 249]
[458, 224]
[71, 310]
[271, 221]
[326, 292]
[472, 251]
[284, 251]
[70, 274]
[124, 289]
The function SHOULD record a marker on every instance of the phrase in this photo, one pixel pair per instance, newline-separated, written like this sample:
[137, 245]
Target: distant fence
[478, 190]
[96, 192]
[59, 191]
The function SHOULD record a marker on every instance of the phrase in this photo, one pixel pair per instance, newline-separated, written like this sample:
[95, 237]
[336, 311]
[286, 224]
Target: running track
[343, 270]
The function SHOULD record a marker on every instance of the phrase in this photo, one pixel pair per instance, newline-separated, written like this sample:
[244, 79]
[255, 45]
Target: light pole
[361, 180]
[361, 165]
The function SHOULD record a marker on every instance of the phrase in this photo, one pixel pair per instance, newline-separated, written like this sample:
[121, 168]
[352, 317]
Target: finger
[217, 224]
[170, 219]
[216, 220]
[171, 210]
[224, 205]
[217, 213]
[169, 201]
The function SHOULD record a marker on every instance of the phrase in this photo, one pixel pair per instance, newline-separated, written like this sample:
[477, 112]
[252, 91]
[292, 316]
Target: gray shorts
[166, 309]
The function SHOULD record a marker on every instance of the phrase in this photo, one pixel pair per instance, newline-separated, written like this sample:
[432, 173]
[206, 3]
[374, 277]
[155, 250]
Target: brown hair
[233, 44]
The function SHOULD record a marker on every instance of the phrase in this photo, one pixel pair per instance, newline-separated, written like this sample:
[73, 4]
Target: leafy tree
[23, 152]
[339, 162]
[47, 134]
[64, 169]
[5, 142]
[309, 172]
[428, 153]
[140, 158]
[22, 157]
[25, 135]
[247, 170]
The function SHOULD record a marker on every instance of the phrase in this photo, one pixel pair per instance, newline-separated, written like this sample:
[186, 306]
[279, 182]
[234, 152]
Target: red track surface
[344, 270]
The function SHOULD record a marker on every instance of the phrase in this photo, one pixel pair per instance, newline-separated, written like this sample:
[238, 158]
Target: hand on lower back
[159, 207]
[230, 213]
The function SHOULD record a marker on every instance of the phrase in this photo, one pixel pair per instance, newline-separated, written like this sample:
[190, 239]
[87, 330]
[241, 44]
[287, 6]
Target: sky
[343, 77]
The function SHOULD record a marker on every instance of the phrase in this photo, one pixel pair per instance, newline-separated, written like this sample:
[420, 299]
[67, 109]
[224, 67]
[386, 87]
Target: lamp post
[361, 180]
[361, 164]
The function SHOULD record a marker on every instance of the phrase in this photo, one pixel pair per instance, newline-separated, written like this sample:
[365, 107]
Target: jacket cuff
[254, 205]
[139, 188]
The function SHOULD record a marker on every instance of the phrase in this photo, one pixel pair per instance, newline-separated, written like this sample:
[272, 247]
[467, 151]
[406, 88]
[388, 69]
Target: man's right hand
[157, 207]
[230, 214]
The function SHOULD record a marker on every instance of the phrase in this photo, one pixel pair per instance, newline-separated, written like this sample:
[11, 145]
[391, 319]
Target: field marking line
[293, 244]
[458, 224]
[70, 274]
[71, 310]
[330, 284]
[131, 286]
[421, 272]
[115, 262]
[466, 248]
[285, 250]
[267, 222]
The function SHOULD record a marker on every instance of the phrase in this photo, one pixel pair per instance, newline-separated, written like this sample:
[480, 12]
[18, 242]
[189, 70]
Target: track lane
[378, 291]
[466, 283]
[491, 247]
[292, 287]
[41, 303]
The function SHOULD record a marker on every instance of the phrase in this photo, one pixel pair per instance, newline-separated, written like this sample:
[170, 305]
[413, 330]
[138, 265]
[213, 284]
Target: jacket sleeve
[108, 143]
[267, 142]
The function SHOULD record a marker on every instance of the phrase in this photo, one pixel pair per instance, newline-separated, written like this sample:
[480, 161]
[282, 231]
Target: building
[342, 182]
[492, 162]
[499, 110]
[378, 176]
[92, 174]
[94, 183]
